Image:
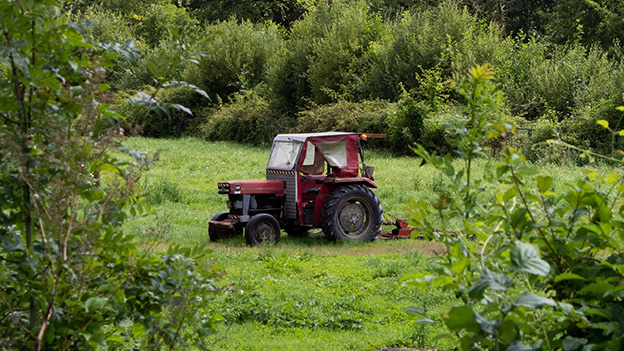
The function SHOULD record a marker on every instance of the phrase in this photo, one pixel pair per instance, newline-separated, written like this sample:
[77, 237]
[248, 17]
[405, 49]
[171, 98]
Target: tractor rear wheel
[261, 229]
[352, 213]
[218, 233]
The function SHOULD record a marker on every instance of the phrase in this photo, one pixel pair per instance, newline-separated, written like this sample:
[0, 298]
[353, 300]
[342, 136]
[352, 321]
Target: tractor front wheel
[218, 233]
[352, 213]
[262, 228]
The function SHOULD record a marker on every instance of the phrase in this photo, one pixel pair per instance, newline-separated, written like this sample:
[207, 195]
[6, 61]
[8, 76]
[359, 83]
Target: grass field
[304, 293]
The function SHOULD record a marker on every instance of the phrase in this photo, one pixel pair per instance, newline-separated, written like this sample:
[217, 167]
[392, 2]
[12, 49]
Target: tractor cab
[305, 172]
[307, 162]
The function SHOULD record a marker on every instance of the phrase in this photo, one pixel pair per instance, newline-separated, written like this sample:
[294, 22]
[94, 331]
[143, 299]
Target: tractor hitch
[401, 230]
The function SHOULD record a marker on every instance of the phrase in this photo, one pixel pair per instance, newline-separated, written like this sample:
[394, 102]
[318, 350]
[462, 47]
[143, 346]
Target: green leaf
[603, 123]
[615, 343]
[415, 310]
[544, 183]
[571, 344]
[109, 167]
[508, 330]
[567, 276]
[502, 169]
[488, 326]
[181, 108]
[95, 304]
[532, 301]
[115, 338]
[518, 346]
[94, 194]
[509, 194]
[158, 65]
[460, 265]
[494, 281]
[125, 323]
[598, 289]
[461, 318]
[524, 258]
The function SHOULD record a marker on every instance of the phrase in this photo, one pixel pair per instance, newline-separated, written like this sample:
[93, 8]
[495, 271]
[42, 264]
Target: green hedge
[246, 119]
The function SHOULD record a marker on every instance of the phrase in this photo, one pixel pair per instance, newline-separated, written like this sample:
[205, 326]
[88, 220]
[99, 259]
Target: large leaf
[94, 304]
[488, 326]
[532, 301]
[571, 344]
[544, 183]
[598, 289]
[488, 279]
[461, 318]
[568, 276]
[524, 258]
[519, 346]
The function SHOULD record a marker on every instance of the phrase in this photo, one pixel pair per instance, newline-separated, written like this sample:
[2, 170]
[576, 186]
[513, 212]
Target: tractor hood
[275, 187]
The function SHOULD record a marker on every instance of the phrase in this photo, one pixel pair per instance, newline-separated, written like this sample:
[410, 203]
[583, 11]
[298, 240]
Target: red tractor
[316, 180]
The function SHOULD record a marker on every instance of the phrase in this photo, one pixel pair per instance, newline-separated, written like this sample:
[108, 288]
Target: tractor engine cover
[251, 187]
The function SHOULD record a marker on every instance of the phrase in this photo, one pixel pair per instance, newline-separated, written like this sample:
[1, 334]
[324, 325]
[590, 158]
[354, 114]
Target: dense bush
[164, 124]
[246, 119]
[418, 41]
[354, 50]
[365, 117]
[156, 20]
[282, 12]
[130, 77]
[324, 55]
[406, 124]
[587, 22]
[482, 44]
[128, 7]
[514, 77]
[572, 78]
[105, 26]
[339, 57]
[237, 55]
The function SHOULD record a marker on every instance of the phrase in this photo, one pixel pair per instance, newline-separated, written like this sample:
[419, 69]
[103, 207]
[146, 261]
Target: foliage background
[558, 62]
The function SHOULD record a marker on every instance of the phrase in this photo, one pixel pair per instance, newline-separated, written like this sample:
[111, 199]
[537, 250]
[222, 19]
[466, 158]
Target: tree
[69, 276]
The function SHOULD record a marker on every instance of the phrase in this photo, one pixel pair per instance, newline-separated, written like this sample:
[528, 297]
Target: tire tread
[330, 228]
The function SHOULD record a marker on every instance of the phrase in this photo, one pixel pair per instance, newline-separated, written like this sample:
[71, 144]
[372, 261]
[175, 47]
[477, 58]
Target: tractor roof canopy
[339, 149]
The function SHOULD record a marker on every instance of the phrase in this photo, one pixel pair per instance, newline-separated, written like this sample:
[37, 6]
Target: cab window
[284, 155]
[313, 162]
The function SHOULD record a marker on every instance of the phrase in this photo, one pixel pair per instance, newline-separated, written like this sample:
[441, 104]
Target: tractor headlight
[237, 187]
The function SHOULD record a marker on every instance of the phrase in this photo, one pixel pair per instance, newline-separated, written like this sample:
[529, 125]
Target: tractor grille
[290, 190]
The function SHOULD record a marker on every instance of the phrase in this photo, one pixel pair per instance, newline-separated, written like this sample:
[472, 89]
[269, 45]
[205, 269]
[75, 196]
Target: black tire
[352, 213]
[262, 229]
[218, 233]
[297, 232]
